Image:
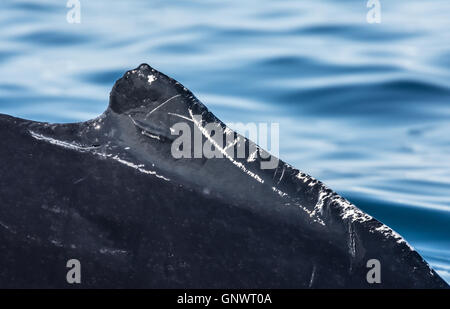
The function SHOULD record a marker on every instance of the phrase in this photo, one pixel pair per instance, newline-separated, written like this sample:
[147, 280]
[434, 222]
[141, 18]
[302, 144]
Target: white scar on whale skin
[181, 116]
[223, 151]
[151, 79]
[311, 214]
[280, 193]
[388, 232]
[232, 144]
[7, 228]
[150, 135]
[78, 147]
[135, 166]
[163, 103]
[143, 132]
[252, 156]
[350, 211]
[282, 174]
[318, 208]
[313, 274]
[73, 145]
[111, 251]
[243, 168]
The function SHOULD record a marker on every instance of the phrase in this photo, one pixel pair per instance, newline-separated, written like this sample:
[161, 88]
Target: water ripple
[363, 107]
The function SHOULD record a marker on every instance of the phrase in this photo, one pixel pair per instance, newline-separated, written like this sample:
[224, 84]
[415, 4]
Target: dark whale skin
[108, 193]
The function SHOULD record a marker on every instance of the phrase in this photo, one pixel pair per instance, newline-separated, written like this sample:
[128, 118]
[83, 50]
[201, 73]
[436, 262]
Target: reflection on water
[363, 107]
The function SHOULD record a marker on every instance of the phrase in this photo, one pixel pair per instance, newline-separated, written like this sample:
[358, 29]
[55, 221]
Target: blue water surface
[363, 107]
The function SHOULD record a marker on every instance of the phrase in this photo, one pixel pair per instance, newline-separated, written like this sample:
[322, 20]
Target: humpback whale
[108, 193]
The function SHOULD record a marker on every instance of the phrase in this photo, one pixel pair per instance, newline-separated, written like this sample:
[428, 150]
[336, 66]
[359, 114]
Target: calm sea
[363, 107]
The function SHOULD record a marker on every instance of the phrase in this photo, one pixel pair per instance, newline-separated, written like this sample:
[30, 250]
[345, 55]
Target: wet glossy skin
[109, 193]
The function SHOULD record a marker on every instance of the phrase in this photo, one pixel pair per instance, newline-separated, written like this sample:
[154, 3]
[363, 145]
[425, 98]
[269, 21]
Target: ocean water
[363, 107]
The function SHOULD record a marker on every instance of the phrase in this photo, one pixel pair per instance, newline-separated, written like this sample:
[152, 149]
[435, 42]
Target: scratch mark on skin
[232, 144]
[112, 251]
[223, 151]
[181, 116]
[79, 180]
[135, 166]
[252, 156]
[243, 168]
[134, 122]
[275, 173]
[77, 147]
[7, 227]
[388, 232]
[282, 174]
[4, 225]
[312, 214]
[143, 131]
[313, 274]
[280, 193]
[162, 104]
[351, 241]
[347, 210]
[57, 243]
[73, 146]
[150, 135]
[318, 208]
